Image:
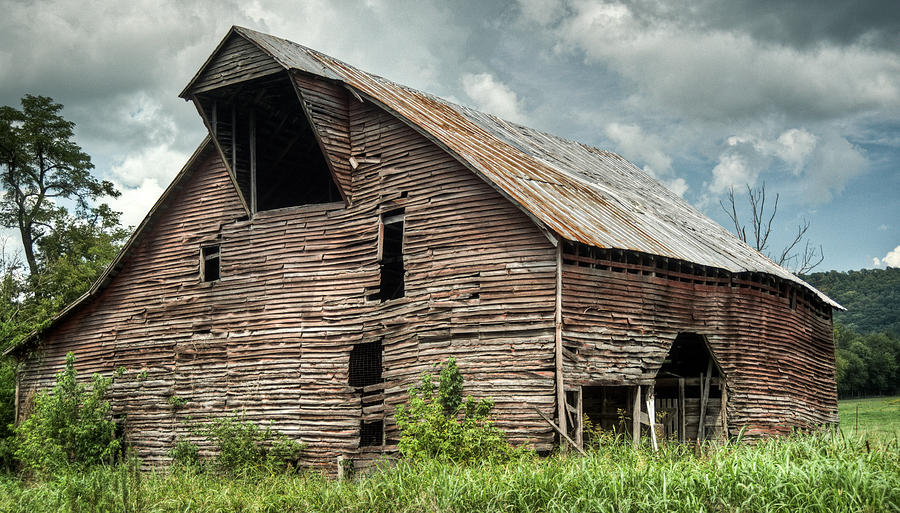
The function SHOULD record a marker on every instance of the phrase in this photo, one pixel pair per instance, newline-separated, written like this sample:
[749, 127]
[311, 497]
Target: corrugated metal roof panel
[582, 193]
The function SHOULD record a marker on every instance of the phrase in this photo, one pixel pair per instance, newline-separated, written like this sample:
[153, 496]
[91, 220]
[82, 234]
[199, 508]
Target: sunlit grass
[873, 417]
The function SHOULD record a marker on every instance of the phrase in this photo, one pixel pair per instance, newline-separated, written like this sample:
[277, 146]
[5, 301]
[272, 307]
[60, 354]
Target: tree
[42, 168]
[800, 256]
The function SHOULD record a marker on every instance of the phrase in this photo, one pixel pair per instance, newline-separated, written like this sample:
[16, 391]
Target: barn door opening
[689, 392]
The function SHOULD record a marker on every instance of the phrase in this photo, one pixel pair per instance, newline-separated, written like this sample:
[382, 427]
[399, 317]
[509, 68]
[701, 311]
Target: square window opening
[371, 433]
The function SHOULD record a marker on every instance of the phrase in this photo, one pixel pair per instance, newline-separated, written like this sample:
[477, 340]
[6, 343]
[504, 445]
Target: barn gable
[274, 146]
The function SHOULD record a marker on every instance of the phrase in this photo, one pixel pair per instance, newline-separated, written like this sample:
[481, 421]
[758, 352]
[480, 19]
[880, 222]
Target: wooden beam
[704, 398]
[560, 382]
[579, 434]
[682, 418]
[724, 409]
[651, 415]
[636, 417]
[253, 202]
[561, 433]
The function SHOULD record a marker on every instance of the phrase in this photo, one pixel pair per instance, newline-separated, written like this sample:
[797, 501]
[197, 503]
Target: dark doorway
[689, 390]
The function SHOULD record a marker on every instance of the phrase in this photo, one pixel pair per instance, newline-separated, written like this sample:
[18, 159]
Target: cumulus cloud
[634, 144]
[892, 259]
[493, 96]
[135, 202]
[721, 73]
[821, 164]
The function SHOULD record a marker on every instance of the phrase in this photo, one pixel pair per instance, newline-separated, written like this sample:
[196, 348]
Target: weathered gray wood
[651, 415]
[636, 417]
[704, 400]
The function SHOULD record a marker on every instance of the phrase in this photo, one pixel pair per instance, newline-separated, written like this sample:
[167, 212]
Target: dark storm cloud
[797, 23]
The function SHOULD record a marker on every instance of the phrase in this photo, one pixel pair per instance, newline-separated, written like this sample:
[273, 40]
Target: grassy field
[877, 417]
[802, 473]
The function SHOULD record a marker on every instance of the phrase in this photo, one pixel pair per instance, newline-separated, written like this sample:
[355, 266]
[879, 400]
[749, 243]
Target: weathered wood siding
[620, 321]
[272, 338]
[239, 60]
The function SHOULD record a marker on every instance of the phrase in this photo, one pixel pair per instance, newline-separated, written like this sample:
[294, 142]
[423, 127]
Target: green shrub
[438, 423]
[241, 446]
[70, 425]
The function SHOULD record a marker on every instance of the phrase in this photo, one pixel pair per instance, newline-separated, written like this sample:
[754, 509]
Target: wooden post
[341, 471]
[636, 417]
[704, 398]
[234, 139]
[724, 408]
[651, 414]
[560, 383]
[253, 205]
[682, 417]
[579, 409]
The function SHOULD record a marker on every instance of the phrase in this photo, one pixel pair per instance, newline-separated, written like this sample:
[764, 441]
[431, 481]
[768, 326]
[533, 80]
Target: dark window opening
[365, 374]
[209, 263]
[371, 433]
[392, 271]
[269, 144]
[365, 364]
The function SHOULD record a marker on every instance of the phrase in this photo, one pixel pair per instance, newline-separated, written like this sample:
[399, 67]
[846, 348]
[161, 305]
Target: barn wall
[272, 338]
[620, 321]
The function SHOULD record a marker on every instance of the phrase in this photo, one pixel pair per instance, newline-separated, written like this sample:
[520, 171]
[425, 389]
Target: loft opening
[269, 144]
[392, 284]
[365, 374]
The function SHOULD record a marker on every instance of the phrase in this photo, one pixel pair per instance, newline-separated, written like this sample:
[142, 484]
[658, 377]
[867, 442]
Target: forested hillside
[867, 335]
[871, 297]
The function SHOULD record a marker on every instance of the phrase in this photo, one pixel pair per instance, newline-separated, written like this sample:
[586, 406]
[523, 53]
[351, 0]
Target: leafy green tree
[70, 425]
[40, 168]
[438, 423]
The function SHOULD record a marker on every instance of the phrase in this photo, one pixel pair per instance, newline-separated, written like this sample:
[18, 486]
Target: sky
[803, 97]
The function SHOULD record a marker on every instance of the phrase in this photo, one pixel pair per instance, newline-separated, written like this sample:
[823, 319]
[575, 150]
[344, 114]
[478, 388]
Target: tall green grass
[796, 474]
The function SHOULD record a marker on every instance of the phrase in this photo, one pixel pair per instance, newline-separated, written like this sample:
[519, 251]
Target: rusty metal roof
[581, 193]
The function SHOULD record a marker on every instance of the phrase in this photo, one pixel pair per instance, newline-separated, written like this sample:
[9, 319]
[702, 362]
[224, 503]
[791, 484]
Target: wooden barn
[337, 234]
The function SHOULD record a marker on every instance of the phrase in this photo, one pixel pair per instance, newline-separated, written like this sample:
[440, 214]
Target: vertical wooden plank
[704, 398]
[724, 407]
[579, 434]
[636, 417]
[560, 384]
[253, 161]
[234, 139]
[682, 422]
[651, 414]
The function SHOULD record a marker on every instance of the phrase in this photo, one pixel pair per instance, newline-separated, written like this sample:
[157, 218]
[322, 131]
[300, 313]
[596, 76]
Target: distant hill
[871, 297]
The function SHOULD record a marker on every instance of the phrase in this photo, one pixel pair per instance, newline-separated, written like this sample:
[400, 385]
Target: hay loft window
[391, 255]
[210, 263]
[269, 144]
[365, 375]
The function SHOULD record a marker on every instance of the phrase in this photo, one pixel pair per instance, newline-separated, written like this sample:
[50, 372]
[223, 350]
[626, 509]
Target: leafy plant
[438, 423]
[241, 446]
[71, 425]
